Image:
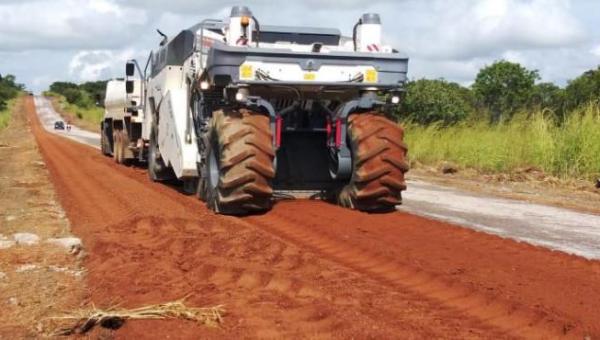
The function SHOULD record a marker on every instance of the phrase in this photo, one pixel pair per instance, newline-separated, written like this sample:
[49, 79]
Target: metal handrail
[145, 93]
[201, 25]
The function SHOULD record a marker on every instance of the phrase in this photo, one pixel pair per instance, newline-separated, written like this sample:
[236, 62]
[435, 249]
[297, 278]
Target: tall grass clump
[567, 149]
[6, 114]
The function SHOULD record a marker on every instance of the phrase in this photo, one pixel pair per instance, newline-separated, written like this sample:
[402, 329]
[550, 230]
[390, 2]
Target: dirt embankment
[310, 269]
[39, 278]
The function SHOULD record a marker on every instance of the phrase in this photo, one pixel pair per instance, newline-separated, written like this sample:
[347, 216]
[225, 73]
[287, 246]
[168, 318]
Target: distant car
[59, 125]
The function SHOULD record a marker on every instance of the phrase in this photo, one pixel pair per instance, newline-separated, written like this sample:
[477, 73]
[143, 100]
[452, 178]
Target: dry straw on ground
[85, 320]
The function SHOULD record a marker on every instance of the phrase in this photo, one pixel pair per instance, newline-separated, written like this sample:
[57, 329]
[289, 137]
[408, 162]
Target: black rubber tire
[118, 146]
[104, 142]
[379, 164]
[242, 146]
[157, 170]
[189, 186]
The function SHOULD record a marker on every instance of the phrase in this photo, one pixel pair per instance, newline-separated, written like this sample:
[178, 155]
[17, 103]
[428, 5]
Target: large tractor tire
[104, 140]
[239, 168]
[158, 171]
[379, 164]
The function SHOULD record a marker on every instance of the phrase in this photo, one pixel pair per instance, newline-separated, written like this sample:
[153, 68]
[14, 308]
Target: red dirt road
[309, 269]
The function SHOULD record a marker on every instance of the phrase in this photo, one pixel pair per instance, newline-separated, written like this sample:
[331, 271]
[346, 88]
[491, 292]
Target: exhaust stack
[367, 33]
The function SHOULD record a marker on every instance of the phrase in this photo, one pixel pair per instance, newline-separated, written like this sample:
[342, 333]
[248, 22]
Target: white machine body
[167, 89]
[368, 38]
[368, 33]
[116, 101]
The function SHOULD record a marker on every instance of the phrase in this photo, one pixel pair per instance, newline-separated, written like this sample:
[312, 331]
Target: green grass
[6, 114]
[91, 115]
[567, 150]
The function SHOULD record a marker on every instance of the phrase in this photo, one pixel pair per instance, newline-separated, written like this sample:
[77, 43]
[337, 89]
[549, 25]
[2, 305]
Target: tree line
[9, 89]
[85, 95]
[499, 91]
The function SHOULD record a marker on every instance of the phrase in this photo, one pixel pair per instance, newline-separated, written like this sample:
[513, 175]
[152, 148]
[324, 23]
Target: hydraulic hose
[359, 22]
[257, 30]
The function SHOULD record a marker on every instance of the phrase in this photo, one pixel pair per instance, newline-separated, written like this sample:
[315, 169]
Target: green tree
[95, 89]
[503, 88]
[61, 86]
[8, 89]
[583, 89]
[430, 101]
[548, 96]
[73, 95]
[85, 95]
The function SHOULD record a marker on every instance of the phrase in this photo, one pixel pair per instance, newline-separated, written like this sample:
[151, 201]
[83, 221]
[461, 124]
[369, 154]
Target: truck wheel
[157, 170]
[189, 186]
[104, 144]
[239, 163]
[118, 146]
[379, 164]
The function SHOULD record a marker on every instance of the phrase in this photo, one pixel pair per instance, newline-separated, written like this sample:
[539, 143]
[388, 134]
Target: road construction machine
[243, 113]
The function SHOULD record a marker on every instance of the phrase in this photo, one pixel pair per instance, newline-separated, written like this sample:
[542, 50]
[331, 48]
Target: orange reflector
[245, 21]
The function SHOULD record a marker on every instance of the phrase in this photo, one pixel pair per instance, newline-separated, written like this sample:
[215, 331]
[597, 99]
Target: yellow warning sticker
[310, 76]
[246, 71]
[371, 76]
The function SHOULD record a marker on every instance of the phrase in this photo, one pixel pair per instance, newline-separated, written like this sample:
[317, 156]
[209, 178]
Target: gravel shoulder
[527, 185]
[40, 262]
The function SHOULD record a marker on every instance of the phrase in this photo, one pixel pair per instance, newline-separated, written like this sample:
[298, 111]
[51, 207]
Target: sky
[42, 41]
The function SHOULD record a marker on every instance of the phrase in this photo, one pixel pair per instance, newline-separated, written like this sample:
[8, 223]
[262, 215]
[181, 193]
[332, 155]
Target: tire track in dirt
[544, 303]
[149, 244]
[387, 269]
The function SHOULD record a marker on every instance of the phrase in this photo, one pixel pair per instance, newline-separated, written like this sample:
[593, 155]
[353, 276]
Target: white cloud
[468, 28]
[104, 6]
[48, 40]
[99, 64]
[65, 24]
[515, 57]
[208, 6]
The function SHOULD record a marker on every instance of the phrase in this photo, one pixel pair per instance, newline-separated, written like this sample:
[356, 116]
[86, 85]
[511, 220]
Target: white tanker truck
[240, 112]
[120, 130]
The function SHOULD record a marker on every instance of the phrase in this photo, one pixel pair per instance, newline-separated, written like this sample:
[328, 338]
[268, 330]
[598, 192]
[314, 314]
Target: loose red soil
[308, 268]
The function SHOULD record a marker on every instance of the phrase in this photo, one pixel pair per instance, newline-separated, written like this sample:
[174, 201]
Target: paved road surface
[550, 227]
[555, 228]
[48, 117]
